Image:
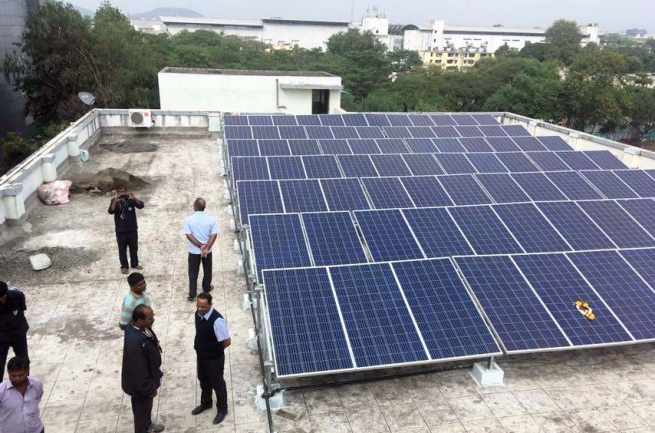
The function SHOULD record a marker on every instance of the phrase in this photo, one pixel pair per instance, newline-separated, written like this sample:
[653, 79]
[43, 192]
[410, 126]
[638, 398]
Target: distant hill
[169, 12]
[84, 11]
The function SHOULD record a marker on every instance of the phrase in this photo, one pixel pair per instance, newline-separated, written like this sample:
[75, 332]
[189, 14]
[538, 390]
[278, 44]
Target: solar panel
[335, 147]
[278, 242]
[548, 161]
[502, 188]
[308, 120]
[642, 262]
[249, 168]
[484, 119]
[554, 143]
[464, 119]
[344, 132]
[513, 309]
[464, 190]
[574, 186]
[245, 148]
[387, 192]
[266, 133]
[421, 120]
[446, 145]
[396, 132]
[421, 145]
[284, 120]
[538, 186]
[517, 162]
[235, 120]
[390, 165]
[304, 147]
[379, 325]
[387, 235]
[258, 197]
[392, 145]
[469, 131]
[577, 161]
[621, 288]
[370, 132]
[364, 147]
[450, 324]
[531, 228]
[357, 166]
[344, 194]
[492, 130]
[446, 131]
[321, 166]
[302, 196]
[486, 163]
[354, 119]
[260, 120]
[608, 184]
[422, 164]
[273, 148]
[421, 131]
[475, 144]
[331, 120]
[437, 233]
[399, 120]
[426, 191]
[294, 132]
[238, 132]
[643, 211]
[575, 226]
[377, 119]
[559, 285]
[286, 167]
[529, 144]
[307, 331]
[442, 120]
[639, 181]
[455, 163]
[605, 159]
[502, 144]
[616, 224]
[515, 130]
[484, 230]
[333, 238]
[318, 132]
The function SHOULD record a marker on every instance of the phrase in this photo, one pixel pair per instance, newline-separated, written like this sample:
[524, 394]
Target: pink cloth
[54, 192]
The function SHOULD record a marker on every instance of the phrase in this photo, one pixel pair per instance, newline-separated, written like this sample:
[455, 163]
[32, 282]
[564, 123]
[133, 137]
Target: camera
[124, 196]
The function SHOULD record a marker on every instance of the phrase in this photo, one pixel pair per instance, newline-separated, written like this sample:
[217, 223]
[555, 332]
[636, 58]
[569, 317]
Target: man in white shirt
[20, 396]
[201, 231]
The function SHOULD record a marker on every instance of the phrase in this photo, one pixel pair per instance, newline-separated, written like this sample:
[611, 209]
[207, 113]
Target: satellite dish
[86, 97]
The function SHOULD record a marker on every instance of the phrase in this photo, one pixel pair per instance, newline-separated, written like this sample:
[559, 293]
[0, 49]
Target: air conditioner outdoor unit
[139, 118]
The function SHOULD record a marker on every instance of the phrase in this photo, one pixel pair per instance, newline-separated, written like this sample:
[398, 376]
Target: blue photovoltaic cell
[260, 120]
[390, 165]
[331, 120]
[475, 144]
[295, 132]
[344, 194]
[392, 145]
[517, 162]
[318, 132]
[379, 325]
[386, 192]
[344, 132]
[335, 147]
[643, 211]
[421, 145]
[492, 131]
[333, 238]
[455, 163]
[615, 222]
[278, 242]
[605, 160]
[354, 119]
[421, 131]
[321, 166]
[308, 336]
[238, 132]
[515, 130]
[286, 167]
[530, 228]
[364, 147]
[396, 132]
[442, 120]
[421, 165]
[357, 166]
[445, 145]
[437, 232]
[449, 321]
[399, 120]
[574, 186]
[258, 197]
[559, 285]
[370, 132]
[421, 120]
[426, 191]
[235, 120]
[464, 189]
[576, 227]
[514, 311]
[249, 168]
[484, 230]
[245, 148]
[464, 119]
[469, 131]
[502, 188]
[631, 300]
[538, 186]
[274, 148]
[377, 119]
[304, 147]
[502, 144]
[284, 120]
[302, 196]
[446, 131]
[554, 143]
[529, 144]
[266, 132]
[609, 185]
[484, 119]
[577, 161]
[643, 261]
[308, 120]
[548, 161]
[639, 181]
[387, 235]
[486, 163]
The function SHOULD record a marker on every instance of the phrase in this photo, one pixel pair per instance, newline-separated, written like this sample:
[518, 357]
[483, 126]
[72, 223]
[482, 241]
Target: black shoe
[156, 428]
[219, 417]
[201, 409]
[209, 290]
[191, 298]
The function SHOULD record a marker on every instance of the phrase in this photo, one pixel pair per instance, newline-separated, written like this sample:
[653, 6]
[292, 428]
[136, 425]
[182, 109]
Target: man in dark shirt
[141, 375]
[123, 207]
[13, 325]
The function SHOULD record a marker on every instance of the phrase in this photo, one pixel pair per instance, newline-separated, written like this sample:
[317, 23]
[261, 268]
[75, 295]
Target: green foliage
[353, 40]
[563, 38]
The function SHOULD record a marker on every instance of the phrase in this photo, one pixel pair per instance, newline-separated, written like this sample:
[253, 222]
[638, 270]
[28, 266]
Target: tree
[640, 109]
[354, 41]
[404, 60]
[564, 39]
[537, 51]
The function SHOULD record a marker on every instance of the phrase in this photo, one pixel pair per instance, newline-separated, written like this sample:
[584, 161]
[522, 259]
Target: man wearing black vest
[13, 326]
[212, 338]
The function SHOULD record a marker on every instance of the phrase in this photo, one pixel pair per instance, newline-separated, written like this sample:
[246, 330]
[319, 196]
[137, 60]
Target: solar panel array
[396, 239]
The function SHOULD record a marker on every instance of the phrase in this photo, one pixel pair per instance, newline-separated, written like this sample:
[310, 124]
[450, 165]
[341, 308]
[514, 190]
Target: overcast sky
[612, 15]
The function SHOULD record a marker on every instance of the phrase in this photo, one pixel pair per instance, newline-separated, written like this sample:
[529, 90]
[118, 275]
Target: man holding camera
[123, 206]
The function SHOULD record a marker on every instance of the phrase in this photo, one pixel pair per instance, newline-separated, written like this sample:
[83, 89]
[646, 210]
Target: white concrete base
[483, 376]
[252, 339]
[40, 262]
[245, 305]
[276, 402]
[227, 196]
[230, 211]
[233, 225]
[236, 246]
[240, 269]
[225, 184]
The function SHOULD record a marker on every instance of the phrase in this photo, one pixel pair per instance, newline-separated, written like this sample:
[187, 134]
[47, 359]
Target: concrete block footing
[240, 269]
[252, 339]
[276, 402]
[236, 247]
[233, 225]
[227, 195]
[484, 376]
[245, 305]
[230, 211]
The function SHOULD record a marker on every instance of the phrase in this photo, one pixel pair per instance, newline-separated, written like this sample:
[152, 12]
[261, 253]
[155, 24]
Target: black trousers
[125, 240]
[19, 344]
[210, 375]
[142, 410]
[194, 270]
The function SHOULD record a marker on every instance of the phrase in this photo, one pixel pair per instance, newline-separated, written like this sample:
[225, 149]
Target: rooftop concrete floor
[76, 346]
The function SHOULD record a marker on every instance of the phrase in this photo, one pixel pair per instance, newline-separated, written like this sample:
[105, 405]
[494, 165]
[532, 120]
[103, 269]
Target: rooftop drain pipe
[277, 94]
